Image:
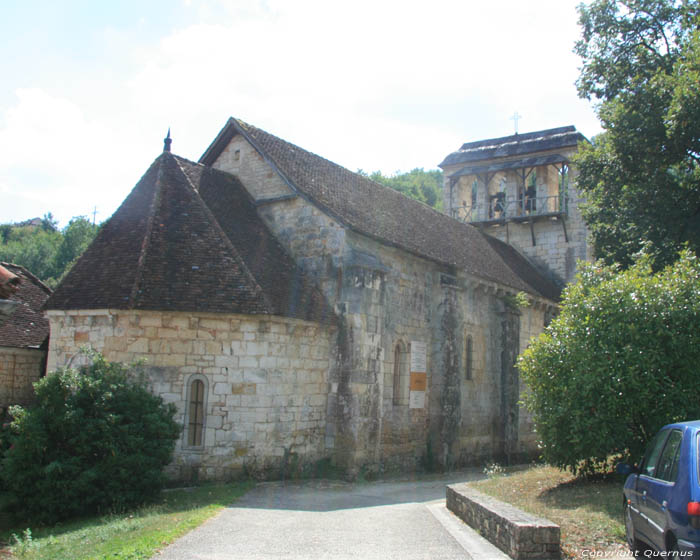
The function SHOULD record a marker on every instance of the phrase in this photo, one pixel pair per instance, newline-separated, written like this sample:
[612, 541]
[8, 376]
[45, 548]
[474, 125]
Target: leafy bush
[95, 441]
[620, 361]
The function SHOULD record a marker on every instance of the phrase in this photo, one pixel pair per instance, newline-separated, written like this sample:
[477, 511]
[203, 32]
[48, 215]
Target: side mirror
[625, 469]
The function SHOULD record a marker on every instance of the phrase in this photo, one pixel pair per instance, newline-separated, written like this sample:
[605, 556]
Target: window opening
[195, 428]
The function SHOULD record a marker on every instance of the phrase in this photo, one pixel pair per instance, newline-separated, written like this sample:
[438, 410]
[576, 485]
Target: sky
[91, 88]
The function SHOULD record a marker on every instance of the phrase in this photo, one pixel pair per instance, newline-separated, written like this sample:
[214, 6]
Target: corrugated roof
[164, 249]
[386, 214]
[26, 327]
[516, 144]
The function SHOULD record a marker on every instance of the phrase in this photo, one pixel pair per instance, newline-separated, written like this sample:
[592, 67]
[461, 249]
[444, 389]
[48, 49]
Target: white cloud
[375, 85]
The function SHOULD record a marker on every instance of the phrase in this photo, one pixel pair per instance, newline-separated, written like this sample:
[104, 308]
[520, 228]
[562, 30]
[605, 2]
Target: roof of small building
[188, 238]
[26, 327]
[387, 215]
[515, 145]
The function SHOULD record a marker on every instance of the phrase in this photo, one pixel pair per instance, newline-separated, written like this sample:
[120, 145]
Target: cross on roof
[515, 118]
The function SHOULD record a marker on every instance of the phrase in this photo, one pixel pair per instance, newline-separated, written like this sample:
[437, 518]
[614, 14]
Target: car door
[660, 487]
[640, 500]
[656, 486]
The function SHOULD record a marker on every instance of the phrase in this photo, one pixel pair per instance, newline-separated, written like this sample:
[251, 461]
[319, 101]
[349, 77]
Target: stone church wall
[387, 298]
[266, 381]
[19, 368]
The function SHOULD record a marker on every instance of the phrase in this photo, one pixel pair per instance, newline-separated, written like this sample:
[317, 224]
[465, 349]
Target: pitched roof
[164, 249]
[9, 283]
[516, 144]
[26, 327]
[385, 214]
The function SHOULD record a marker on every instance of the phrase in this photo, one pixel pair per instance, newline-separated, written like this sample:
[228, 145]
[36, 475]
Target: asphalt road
[402, 520]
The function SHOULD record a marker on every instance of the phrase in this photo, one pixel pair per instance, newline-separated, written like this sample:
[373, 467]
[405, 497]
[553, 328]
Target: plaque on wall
[418, 381]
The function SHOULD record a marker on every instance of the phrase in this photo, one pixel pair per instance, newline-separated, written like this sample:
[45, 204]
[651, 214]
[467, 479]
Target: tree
[424, 186]
[641, 176]
[95, 441]
[45, 251]
[617, 363]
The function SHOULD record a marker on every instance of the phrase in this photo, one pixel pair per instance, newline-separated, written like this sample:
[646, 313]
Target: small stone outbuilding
[24, 334]
[296, 312]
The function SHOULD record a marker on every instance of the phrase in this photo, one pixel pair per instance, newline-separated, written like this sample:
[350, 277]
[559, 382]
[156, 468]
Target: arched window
[196, 403]
[475, 188]
[468, 357]
[397, 375]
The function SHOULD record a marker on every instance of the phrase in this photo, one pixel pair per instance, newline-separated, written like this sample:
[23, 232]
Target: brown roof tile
[26, 327]
[386, 214]
[164, 249]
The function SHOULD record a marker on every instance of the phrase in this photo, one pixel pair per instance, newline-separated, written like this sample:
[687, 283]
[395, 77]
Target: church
[297, 313]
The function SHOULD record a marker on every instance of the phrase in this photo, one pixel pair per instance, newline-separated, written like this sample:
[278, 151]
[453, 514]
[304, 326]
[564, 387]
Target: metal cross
[515, 118]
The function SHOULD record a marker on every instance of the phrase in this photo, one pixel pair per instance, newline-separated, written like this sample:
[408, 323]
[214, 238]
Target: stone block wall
[387, 297]
[242, 160]
[19, 368]
[520, 535]
[266, 381]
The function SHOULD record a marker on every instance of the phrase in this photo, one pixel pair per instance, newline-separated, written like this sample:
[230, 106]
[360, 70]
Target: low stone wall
[518, 534]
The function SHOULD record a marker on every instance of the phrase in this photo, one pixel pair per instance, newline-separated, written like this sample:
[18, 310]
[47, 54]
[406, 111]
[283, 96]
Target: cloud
[374, 85]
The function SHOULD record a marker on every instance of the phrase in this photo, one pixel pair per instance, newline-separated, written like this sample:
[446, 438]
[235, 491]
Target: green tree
[641, 176]
[617, 363]
[45, 251]
[421, 185]
[96, 441]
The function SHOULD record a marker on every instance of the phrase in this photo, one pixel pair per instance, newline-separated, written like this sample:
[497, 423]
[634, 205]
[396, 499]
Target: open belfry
[298, 313]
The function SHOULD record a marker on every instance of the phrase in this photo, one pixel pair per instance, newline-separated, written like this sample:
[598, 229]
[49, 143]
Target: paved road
[404, 520]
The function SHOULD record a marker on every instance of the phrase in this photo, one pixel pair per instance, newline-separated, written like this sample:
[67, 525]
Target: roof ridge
[149, 231]
[234, 252]
[332, 163]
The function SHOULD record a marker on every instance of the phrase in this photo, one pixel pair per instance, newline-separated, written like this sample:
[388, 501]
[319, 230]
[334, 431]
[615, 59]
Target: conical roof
[164, 249]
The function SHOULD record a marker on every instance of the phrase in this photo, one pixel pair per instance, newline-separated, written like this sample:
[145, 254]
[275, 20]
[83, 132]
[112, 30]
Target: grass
[130, 536]
[588, 510]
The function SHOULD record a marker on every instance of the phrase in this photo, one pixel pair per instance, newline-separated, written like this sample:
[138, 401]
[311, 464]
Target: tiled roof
[386, 214]
[164, 249]
[9, 283]
[26, 327]
[516, 144]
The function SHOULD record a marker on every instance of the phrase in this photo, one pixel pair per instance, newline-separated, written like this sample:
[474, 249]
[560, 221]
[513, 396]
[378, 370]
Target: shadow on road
[333, 495]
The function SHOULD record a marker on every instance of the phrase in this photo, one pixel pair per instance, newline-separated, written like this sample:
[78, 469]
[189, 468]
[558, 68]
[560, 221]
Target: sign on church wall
[419, 376]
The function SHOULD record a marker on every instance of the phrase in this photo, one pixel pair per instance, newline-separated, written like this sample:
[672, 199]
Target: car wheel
[632, 541]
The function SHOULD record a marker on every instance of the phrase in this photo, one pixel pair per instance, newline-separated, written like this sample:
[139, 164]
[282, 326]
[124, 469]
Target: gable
[241, 159]
[385, 214]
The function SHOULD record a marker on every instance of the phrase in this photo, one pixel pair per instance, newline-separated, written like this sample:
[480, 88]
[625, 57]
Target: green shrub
[621, 360]
[96, 441]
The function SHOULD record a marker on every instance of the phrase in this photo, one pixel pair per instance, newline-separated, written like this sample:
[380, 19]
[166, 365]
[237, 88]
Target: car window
[667, 468]
[653, 453]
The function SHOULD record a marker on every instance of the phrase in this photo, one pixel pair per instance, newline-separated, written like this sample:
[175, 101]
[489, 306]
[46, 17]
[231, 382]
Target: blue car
[662, 495]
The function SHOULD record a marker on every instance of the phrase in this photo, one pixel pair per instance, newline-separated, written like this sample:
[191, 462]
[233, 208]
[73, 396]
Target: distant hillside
[42, 248]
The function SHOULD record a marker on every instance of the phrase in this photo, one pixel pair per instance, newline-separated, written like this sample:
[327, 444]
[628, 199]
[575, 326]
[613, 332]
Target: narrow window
[397, 375]
[237, 155]
[468, 357]
[195, 426]
[475, 187]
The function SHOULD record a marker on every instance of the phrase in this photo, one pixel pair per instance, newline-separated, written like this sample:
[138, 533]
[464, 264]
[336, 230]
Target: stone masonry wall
[386, 298]
[520, 535]
[266, 381]
[19, 368]
[242, 160]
